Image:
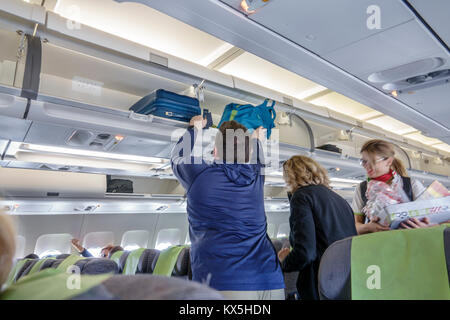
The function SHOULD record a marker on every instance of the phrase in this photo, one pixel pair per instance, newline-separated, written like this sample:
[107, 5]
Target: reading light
[119, 137]
[394, 93]
[250, 6]
[246, 7]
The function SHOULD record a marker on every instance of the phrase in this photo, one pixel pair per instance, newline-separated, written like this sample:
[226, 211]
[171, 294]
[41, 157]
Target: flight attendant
[379, 161]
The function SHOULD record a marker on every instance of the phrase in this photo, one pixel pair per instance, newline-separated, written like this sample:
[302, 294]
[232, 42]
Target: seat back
[181, 268]
[335, 269]
[147, 261]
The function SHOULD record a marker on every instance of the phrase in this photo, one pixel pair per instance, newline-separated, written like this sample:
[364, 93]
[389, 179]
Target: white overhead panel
[20, 183]
[388, 49]
[337, 25]
[432, 101]
[435, 13]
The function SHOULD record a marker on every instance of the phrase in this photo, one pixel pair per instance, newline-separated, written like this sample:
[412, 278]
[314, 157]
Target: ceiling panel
[254, 69]
[400, 45]
[336, 26]
[436, 14]
[434, 102]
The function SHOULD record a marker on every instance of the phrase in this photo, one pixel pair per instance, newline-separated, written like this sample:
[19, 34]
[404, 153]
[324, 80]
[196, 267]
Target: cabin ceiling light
[89, 153]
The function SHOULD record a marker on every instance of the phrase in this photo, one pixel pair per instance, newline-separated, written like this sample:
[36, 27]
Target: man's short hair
[238, 143]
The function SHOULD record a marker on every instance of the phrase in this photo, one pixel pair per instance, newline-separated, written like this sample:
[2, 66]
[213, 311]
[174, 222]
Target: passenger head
[104, 253]
[378, 158]
[301, 171]
[232, 143]
[114, 250]
[7, 246]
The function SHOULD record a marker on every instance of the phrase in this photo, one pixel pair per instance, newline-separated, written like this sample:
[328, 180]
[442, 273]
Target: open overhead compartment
[79, 120]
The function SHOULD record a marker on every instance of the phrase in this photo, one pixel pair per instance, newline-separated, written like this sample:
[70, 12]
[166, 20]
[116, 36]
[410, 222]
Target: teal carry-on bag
[251, 116]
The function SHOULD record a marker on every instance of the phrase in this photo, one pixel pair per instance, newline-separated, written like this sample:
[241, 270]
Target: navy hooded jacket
[230, 248]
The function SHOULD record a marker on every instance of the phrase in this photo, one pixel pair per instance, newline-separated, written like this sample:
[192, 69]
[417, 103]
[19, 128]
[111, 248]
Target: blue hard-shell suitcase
[169, 105]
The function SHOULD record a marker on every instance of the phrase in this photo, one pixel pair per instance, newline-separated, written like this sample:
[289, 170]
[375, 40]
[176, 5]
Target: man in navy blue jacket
[230, 248]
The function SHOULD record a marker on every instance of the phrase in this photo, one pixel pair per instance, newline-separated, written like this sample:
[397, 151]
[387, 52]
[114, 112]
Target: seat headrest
[62, 256]
[147, 261]
[26, 268]
[335, 269]
[123, 260]
[97, 266]
[181, 266]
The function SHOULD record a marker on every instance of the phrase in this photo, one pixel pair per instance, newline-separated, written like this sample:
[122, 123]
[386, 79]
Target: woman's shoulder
[312, 190]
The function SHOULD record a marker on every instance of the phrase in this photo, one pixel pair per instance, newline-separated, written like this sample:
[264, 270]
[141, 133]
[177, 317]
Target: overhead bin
[31, 183]
[89, 79]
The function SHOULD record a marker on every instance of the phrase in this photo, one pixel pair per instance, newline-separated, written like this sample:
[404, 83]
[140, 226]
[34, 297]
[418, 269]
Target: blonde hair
[384, 149]
[301, 171]
[7, 246]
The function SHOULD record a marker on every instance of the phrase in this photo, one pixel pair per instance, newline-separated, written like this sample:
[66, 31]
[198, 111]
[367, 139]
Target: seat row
[139, 261]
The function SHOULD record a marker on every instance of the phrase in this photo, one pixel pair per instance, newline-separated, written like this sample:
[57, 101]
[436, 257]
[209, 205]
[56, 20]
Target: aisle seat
[335, 281]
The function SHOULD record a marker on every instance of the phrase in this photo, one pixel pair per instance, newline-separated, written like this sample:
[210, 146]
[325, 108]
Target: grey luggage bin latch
[140, 117]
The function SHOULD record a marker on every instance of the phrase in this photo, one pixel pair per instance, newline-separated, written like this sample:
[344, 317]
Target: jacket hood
[241, 174]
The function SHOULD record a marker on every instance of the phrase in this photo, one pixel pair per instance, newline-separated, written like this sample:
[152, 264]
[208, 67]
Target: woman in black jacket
[319, 217]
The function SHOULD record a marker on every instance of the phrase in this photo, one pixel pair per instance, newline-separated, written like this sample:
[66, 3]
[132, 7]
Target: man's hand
[260, 134]
[283, 253]
[198, 122]
[414, 223]
[76, 244]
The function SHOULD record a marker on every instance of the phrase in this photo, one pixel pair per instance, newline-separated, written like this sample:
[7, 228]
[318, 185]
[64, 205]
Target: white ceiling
[324, 20]
[436, 14]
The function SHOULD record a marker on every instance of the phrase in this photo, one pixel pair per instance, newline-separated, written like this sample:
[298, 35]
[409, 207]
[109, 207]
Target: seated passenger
[378, 159]
[104, 287]
[319, 217]
[230, 249]
[106, 251]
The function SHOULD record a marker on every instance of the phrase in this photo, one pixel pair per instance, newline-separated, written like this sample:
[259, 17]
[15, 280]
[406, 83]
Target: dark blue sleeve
[186, 165]
[86, 253]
